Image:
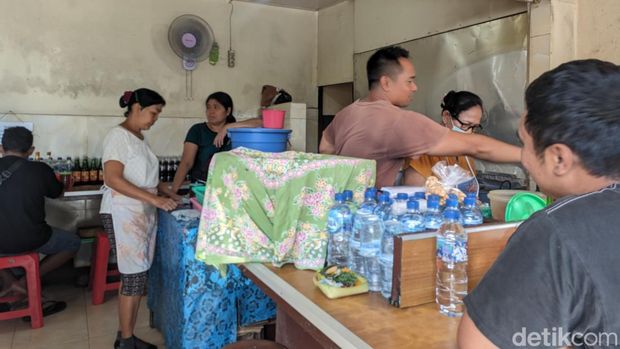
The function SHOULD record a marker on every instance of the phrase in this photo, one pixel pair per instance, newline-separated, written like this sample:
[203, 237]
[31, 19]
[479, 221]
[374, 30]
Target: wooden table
[308, 319]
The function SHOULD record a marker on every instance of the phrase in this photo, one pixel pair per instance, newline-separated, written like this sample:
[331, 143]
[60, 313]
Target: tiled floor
[80, 326]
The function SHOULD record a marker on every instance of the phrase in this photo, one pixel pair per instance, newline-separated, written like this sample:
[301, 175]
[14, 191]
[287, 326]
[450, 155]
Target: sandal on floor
[49, 308]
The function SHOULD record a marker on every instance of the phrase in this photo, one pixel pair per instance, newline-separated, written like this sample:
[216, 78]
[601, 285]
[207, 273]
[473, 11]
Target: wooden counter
[308, 319]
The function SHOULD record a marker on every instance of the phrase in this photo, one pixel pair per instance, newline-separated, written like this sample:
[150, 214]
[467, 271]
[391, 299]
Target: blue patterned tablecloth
[193, 305]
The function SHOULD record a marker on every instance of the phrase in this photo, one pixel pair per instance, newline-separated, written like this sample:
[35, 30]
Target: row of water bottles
[362, 237]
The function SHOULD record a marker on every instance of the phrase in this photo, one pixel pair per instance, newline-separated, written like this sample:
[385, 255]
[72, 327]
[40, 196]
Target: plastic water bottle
[453, 205]
[348, 199]
[421, 197]
[451, 279]
[356, 261]
[432, 216]
[384, 207]
[399, 207]
[386, 258]
[470, 213]
[412, 221]
[338, 227]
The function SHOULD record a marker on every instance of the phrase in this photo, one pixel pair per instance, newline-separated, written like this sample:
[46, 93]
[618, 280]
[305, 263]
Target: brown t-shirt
[382, 132]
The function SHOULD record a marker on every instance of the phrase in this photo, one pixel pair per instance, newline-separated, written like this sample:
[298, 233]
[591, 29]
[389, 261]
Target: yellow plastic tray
[361, 286]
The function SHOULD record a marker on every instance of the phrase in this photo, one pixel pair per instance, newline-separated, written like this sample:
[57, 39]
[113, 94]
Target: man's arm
[326, 147]
[469, 336]
[478, 146]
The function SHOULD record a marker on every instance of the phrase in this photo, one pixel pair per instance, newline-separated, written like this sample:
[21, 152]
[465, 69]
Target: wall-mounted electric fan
[191, 38]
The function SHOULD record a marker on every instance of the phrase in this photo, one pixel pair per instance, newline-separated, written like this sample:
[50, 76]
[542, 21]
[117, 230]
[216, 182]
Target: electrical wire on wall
[231, 52]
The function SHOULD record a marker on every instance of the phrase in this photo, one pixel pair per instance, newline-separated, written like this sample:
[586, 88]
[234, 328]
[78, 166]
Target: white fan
[191, 38]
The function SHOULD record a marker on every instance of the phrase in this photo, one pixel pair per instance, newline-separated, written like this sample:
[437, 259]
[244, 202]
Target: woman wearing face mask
[461, 112]
[128, 207]
[205, 139]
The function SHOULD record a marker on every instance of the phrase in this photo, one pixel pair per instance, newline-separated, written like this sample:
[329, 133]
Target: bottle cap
[452, 203]
[419, 195]
[402, 196]
[413, 205]
[348, 194]
[434, 204]
[453, 196]
[338, 196]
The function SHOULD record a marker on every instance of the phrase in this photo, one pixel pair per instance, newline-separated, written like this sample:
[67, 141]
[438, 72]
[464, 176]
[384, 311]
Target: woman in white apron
[129, 204]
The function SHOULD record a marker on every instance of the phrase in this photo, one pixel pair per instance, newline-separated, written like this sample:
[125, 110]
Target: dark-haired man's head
[571, 127]
[17, 141]
[391, 74]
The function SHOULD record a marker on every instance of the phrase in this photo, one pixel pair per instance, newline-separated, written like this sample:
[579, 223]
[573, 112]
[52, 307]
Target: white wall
[66, 62]
[388, 22]
[335, 44]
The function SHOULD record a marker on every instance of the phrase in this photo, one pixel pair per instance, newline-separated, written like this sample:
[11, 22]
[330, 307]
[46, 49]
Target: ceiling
[312, 5]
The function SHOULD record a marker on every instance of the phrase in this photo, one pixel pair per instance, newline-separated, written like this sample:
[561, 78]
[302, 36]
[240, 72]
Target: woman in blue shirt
[205, 139]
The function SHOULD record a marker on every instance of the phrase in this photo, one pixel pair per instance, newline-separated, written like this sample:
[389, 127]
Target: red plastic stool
[99, 269]
[30, 263]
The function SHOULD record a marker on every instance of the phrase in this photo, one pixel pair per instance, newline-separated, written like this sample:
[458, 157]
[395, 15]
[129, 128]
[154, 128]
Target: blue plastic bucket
[263, 139]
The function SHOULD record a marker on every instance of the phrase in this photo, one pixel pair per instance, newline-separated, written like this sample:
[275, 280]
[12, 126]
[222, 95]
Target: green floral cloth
[272, 207]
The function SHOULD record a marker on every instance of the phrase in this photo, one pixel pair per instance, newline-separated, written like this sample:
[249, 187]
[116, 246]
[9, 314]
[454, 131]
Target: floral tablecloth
[272, 207]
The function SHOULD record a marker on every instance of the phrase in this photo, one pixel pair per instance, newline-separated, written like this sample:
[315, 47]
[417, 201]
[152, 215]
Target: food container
[499, 199]
[331, 292]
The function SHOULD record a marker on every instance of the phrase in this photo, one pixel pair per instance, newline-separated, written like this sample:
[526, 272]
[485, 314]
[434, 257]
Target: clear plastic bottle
[412, 221]
[421, 197]
[367, 208]
[399, 207]
[453, 205]
[348, 199]
[432, 216]
[470, 213]
[338, 228]
[386, 258]
[451, 255]
[384, 207]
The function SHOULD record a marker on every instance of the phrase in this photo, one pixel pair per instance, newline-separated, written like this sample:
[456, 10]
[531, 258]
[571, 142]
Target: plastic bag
[451, 175]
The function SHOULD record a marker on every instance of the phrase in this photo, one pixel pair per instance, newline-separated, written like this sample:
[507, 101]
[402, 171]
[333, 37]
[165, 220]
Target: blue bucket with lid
[262, 139]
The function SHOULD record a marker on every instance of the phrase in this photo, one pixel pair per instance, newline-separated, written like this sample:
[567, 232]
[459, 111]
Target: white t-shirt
[141, 165]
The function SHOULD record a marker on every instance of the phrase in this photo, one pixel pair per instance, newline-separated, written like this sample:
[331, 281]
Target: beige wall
[335, 44]
[387, 22]
[66, 62]
[564, 30]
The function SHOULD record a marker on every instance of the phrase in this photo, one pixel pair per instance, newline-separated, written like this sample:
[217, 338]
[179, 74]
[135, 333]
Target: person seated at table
[129, 205]
[556, 282]
[205, 139]
[461, 112]
[24, 185]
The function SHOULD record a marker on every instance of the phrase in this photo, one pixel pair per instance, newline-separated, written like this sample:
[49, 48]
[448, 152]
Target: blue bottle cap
[402, 196]
[453, 196]
[471, 194]
[419, 195]
[452, 203]
[451, 214]
[433, 204]
[339, 196]
[470, 201]
[433, 197]
[384, 198]
[413, 205]
[348, 194]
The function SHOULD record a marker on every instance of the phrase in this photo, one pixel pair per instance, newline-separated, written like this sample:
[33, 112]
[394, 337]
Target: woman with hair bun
[461, 112]
[130, 202]
[205, 139]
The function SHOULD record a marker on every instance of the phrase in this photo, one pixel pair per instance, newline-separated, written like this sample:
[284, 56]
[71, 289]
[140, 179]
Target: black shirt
[558, 278]
[201, 135]
[22, 205]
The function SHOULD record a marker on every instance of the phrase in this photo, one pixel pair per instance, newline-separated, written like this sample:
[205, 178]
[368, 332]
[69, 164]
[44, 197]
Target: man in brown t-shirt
[377, 128]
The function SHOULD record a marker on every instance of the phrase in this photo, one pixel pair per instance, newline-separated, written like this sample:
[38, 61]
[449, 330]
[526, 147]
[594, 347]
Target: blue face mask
[457, 129]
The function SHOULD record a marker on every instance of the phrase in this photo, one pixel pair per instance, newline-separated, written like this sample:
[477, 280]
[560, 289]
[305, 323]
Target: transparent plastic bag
[451, 175]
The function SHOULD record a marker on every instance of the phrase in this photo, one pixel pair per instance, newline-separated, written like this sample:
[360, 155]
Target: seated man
[556, 283]
[23, 187]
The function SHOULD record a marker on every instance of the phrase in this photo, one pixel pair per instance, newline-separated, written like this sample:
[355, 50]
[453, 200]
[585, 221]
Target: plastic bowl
[499, 199]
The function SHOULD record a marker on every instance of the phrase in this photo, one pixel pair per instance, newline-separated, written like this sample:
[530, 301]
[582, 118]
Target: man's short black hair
[578, 104]
[17, 139]
[384, 62]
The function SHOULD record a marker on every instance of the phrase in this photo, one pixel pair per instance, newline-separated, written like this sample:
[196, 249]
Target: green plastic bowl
[522, 205]
[199, 191]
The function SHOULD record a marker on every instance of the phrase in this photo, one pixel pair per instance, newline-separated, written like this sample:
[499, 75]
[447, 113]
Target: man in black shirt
[556, 283]
[22, 208]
